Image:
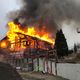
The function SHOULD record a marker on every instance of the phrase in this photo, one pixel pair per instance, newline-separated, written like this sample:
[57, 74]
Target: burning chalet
[27, 41]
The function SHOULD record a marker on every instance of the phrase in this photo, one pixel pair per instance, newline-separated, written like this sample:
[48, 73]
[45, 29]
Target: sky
[10, 5]
[5, 7]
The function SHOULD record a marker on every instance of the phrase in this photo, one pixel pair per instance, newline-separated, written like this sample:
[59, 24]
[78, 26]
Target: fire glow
[31, 31]
[3, 44]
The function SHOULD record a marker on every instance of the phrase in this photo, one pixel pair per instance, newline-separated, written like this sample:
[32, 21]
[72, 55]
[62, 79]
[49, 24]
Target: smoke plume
[49, 12]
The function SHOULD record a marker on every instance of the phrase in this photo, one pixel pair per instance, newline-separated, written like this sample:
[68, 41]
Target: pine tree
[61, 44]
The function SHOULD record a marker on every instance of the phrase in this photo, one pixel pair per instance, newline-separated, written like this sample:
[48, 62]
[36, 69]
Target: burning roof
[19, 38]
[30, 30]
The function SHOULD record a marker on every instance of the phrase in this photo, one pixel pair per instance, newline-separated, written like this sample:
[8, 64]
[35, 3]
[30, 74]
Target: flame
[3, 44]
[31, 31]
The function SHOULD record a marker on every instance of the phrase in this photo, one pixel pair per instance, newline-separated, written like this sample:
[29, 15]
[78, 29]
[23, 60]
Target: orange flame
[31, 31]
[3, 44]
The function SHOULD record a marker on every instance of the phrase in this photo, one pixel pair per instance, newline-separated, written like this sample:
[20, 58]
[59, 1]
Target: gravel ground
[40, 76]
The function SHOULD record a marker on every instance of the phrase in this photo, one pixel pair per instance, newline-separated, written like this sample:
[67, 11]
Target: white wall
[69, 71]
[66, 70]
[53, 68]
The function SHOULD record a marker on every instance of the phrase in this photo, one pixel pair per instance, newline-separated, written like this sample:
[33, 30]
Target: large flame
[31, 31]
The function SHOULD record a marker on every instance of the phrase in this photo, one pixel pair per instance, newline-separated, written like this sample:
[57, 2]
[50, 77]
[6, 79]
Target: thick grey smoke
[49, 11]
[52, 13]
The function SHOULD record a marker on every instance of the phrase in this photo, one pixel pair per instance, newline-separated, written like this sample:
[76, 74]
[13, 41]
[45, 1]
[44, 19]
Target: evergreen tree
[61, 44]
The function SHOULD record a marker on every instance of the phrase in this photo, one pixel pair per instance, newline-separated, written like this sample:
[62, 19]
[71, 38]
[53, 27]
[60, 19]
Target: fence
[67, 70]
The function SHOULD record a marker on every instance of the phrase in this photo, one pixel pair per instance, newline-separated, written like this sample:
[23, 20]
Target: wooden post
[38, 64]
[21, 63]
[47, 65]
[56, 60]
[51, 66]
[44, 64]
[32, 65]
[55, 67]
[27, 64]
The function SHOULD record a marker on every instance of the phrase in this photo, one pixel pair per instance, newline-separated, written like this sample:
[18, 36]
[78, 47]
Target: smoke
[49, 12]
